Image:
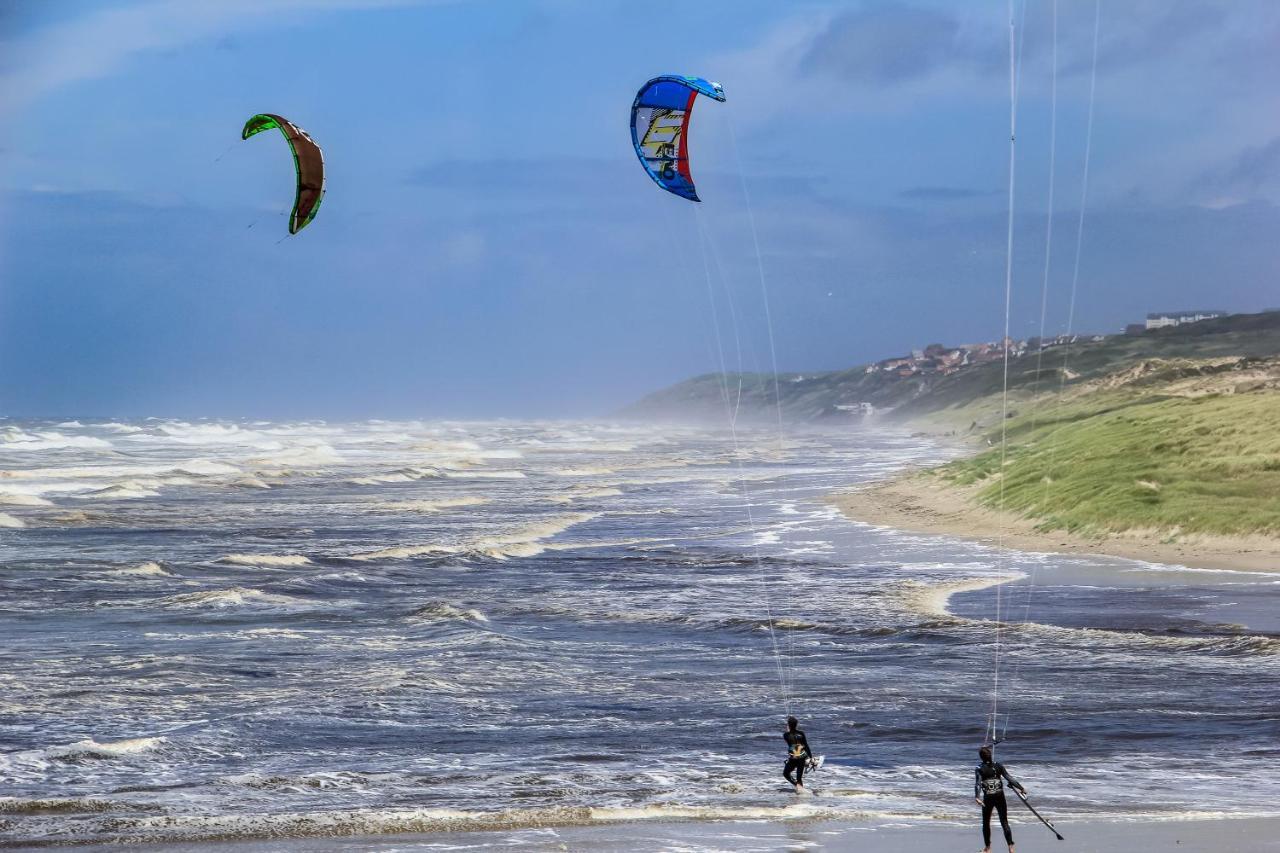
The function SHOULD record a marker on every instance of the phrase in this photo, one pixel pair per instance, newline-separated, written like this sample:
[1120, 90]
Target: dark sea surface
[258, 630]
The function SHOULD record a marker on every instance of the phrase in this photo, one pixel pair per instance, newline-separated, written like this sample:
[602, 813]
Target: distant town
[941, 360]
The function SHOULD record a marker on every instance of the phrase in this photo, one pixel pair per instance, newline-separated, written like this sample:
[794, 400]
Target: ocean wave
[90, 748]
[237, 596]
[272, 560]
[22, 499]
[14, 439]
[400, 475]
[585, 495]
[174, 828]
[69, 806]
[441, 611]
[10, 521]
[525, 541]
[429, 507]
[148, 569]
[128, 490]
[486, 475]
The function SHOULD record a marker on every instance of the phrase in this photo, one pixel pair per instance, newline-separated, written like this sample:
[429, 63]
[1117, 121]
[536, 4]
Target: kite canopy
[308, 160]
[660, 129]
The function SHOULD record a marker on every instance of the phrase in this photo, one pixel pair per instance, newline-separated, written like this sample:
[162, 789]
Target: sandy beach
[920, 503]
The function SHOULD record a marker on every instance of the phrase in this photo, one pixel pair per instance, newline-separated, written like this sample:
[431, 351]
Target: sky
[489, 245]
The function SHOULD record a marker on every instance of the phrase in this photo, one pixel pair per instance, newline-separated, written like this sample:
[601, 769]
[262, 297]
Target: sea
[258, 631]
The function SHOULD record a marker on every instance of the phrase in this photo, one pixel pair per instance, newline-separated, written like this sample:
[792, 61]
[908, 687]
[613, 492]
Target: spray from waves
[272, 560]
[430, 507]
[526, 541]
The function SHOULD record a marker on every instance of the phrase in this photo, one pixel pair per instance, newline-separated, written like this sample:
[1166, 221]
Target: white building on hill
[1163, 319]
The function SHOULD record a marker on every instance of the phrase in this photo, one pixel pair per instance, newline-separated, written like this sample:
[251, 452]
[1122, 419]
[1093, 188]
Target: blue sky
[489, 245]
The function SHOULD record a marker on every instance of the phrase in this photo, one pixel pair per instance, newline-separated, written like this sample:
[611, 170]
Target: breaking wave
[273, 560]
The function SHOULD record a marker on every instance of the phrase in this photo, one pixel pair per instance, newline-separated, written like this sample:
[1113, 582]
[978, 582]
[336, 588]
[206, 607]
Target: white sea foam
[128, 490]
[442, 611]
[20, 499]
[401, 475]
[13, 439]
[430, 507]
[524, 541]
[273, 560]
[110, 749]
[149, 569]
[7, 520]
[233, 597]
[486, 475]
[585, 494]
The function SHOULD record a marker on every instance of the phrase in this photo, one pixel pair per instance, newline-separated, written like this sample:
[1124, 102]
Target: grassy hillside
[1195, 454]
[967, 399]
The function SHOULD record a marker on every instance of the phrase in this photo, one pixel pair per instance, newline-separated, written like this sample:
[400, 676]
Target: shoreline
[1225, 834]
[918, 503]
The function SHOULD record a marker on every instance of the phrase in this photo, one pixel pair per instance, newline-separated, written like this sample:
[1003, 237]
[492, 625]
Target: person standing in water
[798, 754]
[988, 791]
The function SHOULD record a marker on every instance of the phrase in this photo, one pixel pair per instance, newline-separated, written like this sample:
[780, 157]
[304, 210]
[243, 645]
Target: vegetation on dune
[1115, 461]
[1172, 432]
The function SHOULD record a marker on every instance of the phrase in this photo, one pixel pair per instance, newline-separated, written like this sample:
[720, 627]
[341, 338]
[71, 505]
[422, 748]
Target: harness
[990, 784]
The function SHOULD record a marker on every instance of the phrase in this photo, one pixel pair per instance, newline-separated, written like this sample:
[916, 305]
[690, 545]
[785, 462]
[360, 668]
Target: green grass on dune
[1115, 462]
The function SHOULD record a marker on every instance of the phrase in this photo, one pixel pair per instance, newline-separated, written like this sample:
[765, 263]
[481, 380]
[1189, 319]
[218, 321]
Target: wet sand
[923, 504]
[1226, 835]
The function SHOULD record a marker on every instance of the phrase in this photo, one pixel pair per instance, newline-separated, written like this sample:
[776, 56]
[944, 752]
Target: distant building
[1164, 319]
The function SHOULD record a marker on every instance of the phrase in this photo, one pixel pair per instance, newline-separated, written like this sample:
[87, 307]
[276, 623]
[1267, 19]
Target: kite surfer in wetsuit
[799, 756]
[988, 791]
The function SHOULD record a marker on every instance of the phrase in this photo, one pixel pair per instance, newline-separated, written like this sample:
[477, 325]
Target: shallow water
[217, 630]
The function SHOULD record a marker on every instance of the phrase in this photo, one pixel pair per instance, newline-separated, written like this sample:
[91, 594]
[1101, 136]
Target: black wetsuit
[988, 784]
[798, 755]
